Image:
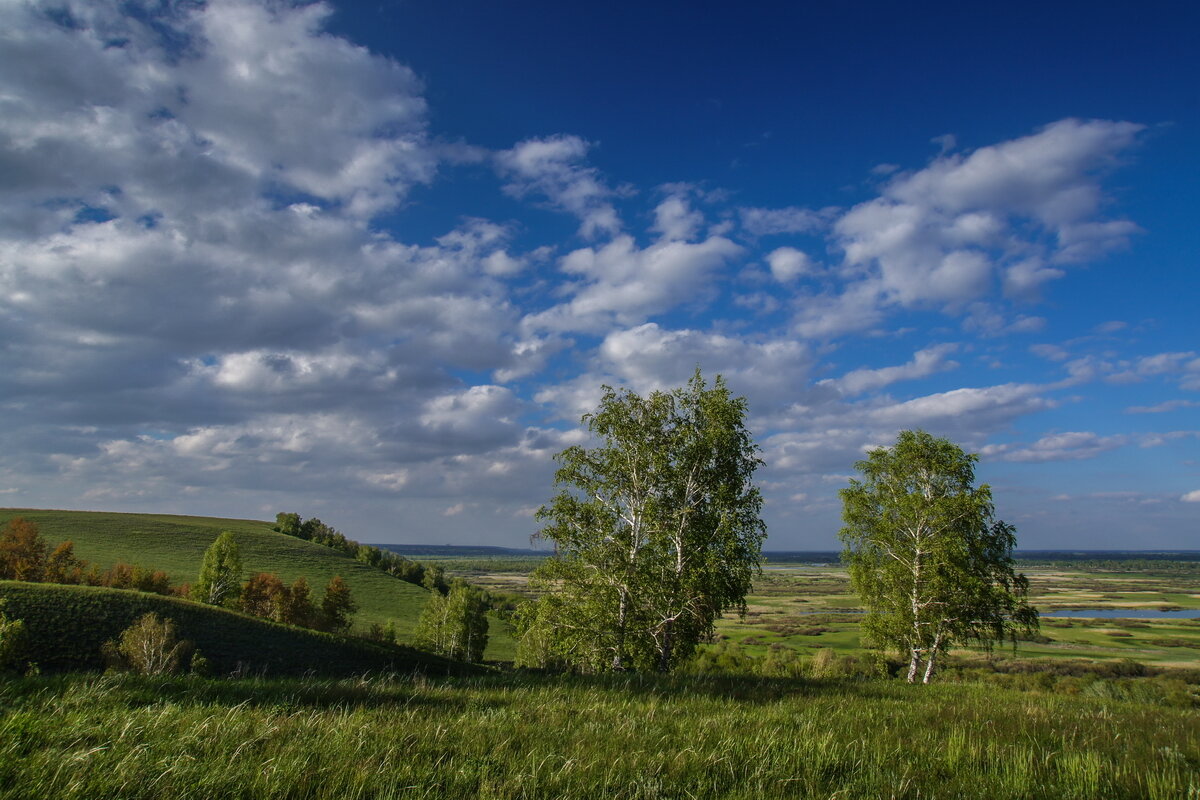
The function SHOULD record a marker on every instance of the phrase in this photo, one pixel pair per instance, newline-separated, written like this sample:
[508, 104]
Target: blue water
[1124, 613]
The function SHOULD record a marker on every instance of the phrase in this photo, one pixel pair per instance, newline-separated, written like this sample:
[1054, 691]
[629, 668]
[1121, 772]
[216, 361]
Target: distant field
[807, 607]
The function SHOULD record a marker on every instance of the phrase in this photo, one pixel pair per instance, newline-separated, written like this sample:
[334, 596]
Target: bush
[149, 647]
[12, 641]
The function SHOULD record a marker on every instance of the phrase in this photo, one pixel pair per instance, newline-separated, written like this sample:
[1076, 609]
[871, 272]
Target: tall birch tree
[926, 556]
[656, 530]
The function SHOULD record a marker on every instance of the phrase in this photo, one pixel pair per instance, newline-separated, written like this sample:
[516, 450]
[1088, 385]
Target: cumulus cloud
[555, 168]
[774, 221]
[924, 362]
[620, 283]
[1068, 446]
[1191, 497]
[788, 263]
[1015, 212]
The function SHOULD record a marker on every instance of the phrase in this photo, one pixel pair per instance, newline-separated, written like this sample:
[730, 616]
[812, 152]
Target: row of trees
[265, 594]
[657, 531]
[430, 576]
[26, 556]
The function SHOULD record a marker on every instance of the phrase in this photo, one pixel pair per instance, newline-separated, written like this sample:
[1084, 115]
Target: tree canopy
[931, 564]
[220, 579]
[656, 530]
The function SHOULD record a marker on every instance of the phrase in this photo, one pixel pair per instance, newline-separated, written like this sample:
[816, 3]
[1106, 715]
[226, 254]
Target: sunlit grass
[518, 736]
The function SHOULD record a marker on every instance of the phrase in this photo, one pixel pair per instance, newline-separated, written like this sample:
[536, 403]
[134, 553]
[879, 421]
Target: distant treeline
[430, 576]
[1126, 557]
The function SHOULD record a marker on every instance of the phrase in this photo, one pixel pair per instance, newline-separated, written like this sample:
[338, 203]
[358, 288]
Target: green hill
[65, 627]
[176, 545]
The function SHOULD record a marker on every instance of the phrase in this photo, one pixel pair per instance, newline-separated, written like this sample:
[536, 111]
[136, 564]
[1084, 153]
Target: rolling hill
[176, 545]
[65, 627]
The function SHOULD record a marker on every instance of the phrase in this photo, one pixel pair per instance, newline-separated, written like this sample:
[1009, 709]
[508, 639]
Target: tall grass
[528, 736]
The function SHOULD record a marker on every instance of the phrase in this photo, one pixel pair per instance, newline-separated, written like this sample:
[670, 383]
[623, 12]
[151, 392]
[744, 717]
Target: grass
[65, 627]
[530, 736]
[176, 545]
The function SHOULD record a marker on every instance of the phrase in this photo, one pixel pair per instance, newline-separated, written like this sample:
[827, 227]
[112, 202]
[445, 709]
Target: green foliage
[337, 606]
[314, 530]
[12, 641]
[657, 531]
[150, 647]
[66, 626]
[220, 574]
[931, 565]
[455, 625]
[22, 551]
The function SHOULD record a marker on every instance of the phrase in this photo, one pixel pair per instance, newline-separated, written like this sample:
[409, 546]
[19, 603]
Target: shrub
[12, 640]
[150, 647]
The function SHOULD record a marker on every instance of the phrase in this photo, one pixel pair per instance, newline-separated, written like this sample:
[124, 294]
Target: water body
[1124, 613]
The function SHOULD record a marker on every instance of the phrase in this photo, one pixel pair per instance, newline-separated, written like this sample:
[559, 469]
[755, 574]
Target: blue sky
[371, 261]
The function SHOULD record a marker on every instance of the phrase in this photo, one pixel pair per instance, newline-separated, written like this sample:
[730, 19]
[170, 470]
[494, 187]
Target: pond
[1124, 613]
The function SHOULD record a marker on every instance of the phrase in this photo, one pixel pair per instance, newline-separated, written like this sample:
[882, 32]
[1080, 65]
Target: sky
[372, 261]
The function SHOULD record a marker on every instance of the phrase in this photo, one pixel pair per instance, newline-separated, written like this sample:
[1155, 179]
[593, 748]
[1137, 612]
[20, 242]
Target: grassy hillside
[65, 627]
[176, 545]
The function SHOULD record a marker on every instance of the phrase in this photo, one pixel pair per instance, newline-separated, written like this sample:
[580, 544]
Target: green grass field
[527, 736]
[65, 627]
[176, 545]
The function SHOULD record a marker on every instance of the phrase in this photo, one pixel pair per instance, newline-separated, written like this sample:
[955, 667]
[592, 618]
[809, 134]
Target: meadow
[520, 735]
[1092, 708]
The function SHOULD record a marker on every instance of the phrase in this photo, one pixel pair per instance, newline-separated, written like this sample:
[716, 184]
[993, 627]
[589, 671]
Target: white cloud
[620, 283]
[773, 221]
[940, 237]
[553, 167]
[788, 263]
[1191, 497]
[1068, 446]
[924, 362]
[1161, 408]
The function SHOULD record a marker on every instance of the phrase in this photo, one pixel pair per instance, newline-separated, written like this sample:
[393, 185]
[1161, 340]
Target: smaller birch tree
[925, 555]
[220, 579]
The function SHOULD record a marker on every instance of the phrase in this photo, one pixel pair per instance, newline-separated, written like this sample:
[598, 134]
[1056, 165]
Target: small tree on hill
[927, 558]
[262, 596]
[62, 566]
[456, 624]
[150, 647]
[295, 605]
[12, 640]
[22, 551]
[220, 576]
[337, 606]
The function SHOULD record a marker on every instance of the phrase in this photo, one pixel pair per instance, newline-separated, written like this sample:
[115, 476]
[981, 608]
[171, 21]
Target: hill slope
[176, 545]
[66, 626]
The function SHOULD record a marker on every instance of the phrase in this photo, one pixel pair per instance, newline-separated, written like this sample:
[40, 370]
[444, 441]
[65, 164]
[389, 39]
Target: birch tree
[656, 530]
[220, 579]
[930, 563]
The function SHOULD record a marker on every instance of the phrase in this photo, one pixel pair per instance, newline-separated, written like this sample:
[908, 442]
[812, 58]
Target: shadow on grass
[284, 693]
[741, 688]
